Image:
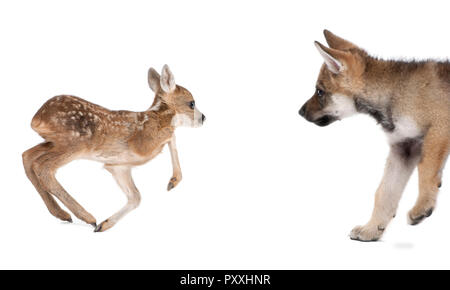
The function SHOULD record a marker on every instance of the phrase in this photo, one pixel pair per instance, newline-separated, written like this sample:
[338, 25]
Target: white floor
[262, 188]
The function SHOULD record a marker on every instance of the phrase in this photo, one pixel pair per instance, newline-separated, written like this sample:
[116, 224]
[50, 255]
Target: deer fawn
[77, 129]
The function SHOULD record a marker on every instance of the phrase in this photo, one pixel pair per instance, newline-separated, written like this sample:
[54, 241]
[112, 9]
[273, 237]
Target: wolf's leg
[398, 170]
[435, 152]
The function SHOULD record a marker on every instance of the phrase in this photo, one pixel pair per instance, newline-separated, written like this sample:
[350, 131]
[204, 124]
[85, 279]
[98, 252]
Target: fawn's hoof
[64, 216]
[173, 182]
[106, 224]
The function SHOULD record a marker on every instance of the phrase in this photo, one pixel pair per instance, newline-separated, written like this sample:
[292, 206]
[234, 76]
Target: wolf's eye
[192, 105]
[320, 97]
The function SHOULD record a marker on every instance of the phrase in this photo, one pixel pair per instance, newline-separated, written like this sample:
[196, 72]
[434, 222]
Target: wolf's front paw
[173, 182]
[367, 233]
[418, 214]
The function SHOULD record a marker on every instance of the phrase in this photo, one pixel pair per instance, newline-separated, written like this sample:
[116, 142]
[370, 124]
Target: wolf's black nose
[302, 111]
[203, 118]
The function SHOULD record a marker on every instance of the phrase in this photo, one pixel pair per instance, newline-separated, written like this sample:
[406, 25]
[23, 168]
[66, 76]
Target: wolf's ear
[154, 80]
[167, 79]
[336, 42]
[334, 59]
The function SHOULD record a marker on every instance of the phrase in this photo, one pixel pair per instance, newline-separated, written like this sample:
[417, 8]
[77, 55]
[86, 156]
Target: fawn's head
[339, 82]
[175, 97]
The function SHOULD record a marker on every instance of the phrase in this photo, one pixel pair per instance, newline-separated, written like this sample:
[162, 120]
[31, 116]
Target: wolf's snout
[325, 120]
[203, 118]
[302, 111]
[311, 116]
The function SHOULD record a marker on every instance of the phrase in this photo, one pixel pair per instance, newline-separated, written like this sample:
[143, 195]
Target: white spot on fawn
[181, 120]
[156, 106]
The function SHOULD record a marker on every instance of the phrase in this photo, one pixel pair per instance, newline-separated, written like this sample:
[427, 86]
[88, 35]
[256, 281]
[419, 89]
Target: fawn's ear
[167, 79]
[154, 80]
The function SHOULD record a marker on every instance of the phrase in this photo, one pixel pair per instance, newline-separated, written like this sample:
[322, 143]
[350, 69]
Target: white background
[262, 188]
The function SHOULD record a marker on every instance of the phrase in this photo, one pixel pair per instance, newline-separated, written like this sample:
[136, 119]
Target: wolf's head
[339, 82]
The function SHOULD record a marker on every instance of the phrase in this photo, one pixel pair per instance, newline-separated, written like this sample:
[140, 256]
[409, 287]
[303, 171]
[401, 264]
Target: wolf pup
[411, 102]
[77, 129]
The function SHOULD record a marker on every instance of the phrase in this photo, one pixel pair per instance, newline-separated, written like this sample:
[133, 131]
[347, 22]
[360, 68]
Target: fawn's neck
[161, 112]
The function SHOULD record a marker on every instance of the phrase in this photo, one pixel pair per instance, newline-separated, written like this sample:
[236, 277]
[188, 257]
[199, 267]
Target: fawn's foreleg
[122, 175]
[176, 176]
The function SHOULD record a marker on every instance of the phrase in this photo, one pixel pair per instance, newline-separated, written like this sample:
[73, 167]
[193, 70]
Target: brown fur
[391, 91]
[74, 128]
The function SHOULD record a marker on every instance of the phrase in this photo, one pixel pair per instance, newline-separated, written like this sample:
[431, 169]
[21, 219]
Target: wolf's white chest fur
[405, 128]
[341, 106]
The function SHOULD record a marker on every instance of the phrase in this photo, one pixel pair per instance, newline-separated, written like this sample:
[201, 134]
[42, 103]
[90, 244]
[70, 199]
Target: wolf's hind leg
[435, 152]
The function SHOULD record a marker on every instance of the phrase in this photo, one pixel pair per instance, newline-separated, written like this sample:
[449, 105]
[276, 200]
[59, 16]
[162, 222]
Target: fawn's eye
[192, 105]
[320, 93]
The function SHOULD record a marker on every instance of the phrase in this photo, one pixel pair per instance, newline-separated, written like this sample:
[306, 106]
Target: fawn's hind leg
[435, 152]
[29, 157]
[122, 175]
[45, 168]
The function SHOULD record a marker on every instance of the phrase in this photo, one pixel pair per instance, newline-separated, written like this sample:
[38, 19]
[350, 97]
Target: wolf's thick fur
[411, 102]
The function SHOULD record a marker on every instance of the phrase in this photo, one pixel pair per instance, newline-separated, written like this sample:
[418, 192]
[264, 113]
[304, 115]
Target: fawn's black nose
[203, 118]
[302, 111]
